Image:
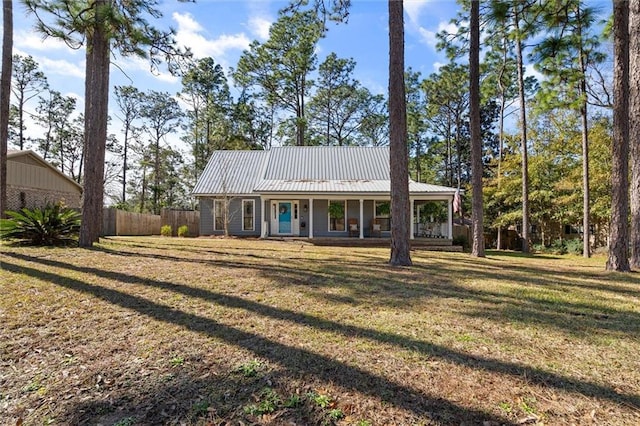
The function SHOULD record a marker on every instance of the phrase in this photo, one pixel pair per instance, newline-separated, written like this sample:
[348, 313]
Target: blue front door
[284, 218]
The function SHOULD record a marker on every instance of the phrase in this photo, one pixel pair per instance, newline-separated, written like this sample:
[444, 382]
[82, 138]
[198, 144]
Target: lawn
[231, 331]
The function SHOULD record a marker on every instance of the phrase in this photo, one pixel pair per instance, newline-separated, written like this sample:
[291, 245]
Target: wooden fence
[178, 218]
[120, 222]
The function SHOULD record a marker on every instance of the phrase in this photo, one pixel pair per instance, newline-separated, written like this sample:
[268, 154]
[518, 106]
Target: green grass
[210, 331]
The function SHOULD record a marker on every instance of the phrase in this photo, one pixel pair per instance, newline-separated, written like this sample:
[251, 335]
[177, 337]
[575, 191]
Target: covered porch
[340, 217]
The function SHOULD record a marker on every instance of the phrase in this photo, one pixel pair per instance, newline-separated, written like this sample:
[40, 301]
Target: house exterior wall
[31, 184]
[26, 175]
[321, 217]
[19, 197]
[236, 217]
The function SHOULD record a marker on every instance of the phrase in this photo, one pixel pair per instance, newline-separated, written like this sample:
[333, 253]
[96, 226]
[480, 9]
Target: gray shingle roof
[303, 170]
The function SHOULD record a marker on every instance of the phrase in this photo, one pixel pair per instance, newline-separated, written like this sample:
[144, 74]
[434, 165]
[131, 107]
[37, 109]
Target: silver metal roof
[303, 170]
[232, 172]
[328, 163]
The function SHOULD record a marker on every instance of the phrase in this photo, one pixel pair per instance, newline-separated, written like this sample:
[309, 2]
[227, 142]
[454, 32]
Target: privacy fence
[120, 222]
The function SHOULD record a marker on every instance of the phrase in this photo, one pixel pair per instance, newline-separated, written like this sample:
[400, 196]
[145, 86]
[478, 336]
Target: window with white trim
[218, 215]
[337, 209]
[248, 217]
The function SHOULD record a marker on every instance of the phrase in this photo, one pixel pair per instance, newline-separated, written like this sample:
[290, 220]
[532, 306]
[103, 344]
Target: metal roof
[303, 170]
[328, 163]
[232, 172]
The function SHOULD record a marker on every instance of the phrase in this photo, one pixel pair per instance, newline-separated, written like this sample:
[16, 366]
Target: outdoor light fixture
[304, 208]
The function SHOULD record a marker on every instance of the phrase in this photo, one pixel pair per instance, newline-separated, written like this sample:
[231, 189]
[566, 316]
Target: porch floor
[419, 243]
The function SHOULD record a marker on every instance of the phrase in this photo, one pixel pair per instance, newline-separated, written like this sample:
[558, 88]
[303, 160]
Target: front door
[284, 217]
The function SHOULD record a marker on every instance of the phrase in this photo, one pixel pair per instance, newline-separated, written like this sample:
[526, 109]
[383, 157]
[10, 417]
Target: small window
[218, 215]
[248, 215]
[336, 215]
[383, 215]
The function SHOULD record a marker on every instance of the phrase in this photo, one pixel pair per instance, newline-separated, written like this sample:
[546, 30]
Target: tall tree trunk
[586, 209]
[399, 156]
[477, 216]
[125, 148]
[156, 176]
[634, 128]
[5, 97]
[95, 134]
[523, 135]
[619, 228]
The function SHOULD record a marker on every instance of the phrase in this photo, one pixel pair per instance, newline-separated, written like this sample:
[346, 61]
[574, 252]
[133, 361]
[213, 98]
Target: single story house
[33, 182]
[312, 192]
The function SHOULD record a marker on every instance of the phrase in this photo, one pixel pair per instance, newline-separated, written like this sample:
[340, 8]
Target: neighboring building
[33, 182]
[312, 192]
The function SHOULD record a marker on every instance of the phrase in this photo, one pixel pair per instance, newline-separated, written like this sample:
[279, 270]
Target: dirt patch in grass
[216, 331]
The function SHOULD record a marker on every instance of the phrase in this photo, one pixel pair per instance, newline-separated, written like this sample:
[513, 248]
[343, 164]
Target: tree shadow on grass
[299, 361]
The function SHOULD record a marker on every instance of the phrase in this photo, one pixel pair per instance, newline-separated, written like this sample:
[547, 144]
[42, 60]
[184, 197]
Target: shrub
[461, 240]
[558, 247]
[166, 231]
[574, 246]
[53, 224]
[183, 231]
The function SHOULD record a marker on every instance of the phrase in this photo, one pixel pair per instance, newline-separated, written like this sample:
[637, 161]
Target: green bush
[166, 231]
[183, 231]
[574, 246]
[558, 247]
[53, 224]
[461, 240]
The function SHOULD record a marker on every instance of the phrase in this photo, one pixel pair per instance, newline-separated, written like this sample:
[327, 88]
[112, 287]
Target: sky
[223, 29]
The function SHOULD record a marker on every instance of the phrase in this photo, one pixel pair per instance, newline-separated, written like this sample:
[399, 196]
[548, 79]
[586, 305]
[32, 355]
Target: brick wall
[18, 197]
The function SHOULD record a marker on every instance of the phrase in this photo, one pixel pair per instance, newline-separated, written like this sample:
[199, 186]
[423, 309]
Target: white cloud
[130, 67]
[529, 70]
[31, 40]
[429, 38]
[438, 65]
[259, 26]
[413, 8]
[191, 34]
[61, 67]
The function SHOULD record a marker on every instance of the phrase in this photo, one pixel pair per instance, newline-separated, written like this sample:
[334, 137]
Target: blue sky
[222, 29]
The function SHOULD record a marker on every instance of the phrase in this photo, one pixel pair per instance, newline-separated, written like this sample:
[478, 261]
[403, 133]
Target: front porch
[335, 218]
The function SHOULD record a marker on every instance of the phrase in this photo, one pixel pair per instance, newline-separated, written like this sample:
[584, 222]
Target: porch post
[266, 213]
[310, 218]
[412, 201]
[361, 218]
[450, 217]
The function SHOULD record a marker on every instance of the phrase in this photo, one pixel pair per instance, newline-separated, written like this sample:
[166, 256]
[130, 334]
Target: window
[383, 215]
[218, 215]
[336, 215]
[247, 215]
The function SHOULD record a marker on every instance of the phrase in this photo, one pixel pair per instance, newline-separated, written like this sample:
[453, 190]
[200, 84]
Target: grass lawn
[229, 331]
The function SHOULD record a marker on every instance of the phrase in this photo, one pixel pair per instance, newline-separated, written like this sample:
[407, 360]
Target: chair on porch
[354, 230]
[376, 228]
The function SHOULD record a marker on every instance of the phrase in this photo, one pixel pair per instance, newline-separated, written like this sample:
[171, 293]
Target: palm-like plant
[54, 224]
